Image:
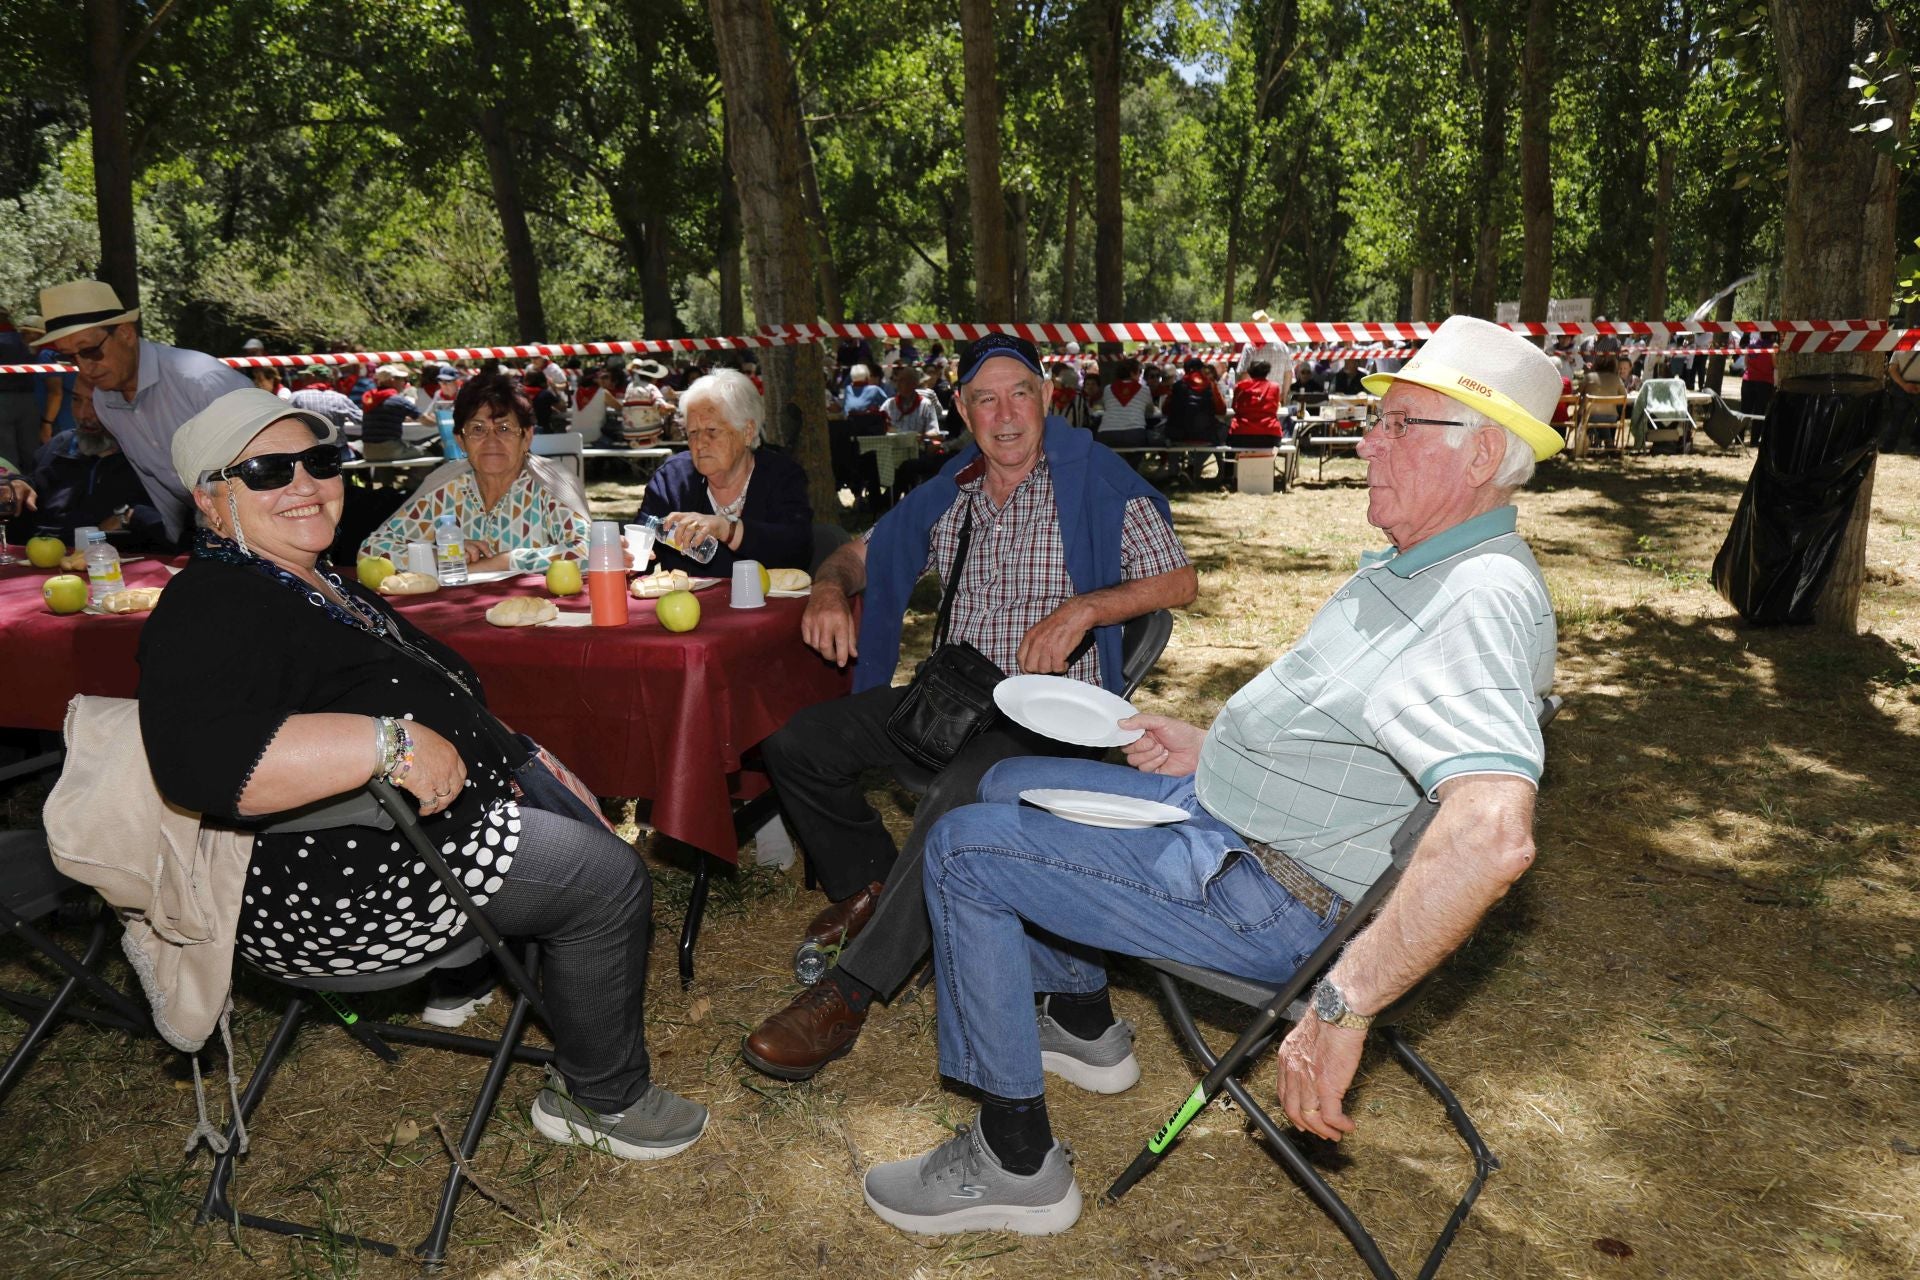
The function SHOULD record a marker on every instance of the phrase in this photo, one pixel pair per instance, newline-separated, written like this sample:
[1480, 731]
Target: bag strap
[941, 623]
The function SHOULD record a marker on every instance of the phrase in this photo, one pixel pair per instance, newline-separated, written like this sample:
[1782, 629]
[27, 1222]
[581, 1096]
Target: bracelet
[396, 750]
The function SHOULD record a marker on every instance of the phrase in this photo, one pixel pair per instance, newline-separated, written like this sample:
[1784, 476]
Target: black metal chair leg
[433, 1250]
[696, 911]
[55, 1008]
[1484, 1161]
[216, 1204]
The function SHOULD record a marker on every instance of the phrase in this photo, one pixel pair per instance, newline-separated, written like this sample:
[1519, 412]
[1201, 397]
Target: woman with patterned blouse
[515, 511]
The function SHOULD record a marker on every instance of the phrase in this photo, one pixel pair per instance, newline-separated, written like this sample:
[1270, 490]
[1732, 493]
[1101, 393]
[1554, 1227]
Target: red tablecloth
[634, 710]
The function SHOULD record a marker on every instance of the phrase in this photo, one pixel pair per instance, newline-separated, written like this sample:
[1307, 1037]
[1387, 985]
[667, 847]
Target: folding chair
[569, 446]
[31, 890]
[1660, 414]
[1726, 426]
[1284, 1003]
[327, 989]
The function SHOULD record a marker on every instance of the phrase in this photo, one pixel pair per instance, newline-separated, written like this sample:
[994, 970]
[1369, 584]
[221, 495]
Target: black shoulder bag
[950, 702]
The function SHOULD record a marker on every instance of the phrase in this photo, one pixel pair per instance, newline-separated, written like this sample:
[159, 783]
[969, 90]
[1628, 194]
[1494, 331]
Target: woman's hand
[438, 772]
[687, 527]
[1169, 746]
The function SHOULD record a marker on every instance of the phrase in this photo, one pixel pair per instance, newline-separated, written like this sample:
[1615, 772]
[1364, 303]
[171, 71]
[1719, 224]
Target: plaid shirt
[1016, 570]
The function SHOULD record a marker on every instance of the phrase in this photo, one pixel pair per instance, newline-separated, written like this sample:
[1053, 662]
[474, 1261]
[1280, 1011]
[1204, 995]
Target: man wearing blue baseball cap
[1058, 542]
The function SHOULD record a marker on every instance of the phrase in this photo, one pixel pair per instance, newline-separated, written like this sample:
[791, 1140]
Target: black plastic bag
[1819, 441]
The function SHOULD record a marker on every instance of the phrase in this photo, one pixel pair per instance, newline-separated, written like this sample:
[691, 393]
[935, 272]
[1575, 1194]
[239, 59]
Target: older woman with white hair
[751, 497]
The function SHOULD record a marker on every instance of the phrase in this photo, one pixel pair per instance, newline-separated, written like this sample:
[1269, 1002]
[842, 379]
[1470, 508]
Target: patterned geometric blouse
[535, 527]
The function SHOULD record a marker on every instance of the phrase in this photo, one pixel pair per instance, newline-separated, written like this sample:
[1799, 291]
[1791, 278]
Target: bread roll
[74, 561]
[660, 583]
[523, 611]
[131, 600]
[788, 579]
[408, 584]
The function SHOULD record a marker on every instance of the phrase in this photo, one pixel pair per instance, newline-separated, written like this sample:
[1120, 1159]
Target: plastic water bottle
[103, 567]
[700, 552]
[812, 960]
[449, 552]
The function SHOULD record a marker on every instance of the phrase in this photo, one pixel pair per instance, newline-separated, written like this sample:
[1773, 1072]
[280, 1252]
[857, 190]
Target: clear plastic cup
[639, 543]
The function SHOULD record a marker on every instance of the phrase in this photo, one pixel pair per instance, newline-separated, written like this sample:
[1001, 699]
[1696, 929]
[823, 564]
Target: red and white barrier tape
[1352, 341]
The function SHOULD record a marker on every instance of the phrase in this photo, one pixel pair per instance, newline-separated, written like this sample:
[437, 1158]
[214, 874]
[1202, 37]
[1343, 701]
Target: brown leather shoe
[810, 1032]
[842, 922]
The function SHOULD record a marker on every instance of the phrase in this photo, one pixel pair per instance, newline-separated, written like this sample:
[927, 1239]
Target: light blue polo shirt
[174, 384]
[1423, 666]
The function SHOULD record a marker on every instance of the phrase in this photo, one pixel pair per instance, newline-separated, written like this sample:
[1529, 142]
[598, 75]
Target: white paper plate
[801, 594]
[1102, 809]
[1066, 710]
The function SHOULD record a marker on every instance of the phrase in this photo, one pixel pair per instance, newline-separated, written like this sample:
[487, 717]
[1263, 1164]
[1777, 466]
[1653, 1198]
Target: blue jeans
[1023, 901]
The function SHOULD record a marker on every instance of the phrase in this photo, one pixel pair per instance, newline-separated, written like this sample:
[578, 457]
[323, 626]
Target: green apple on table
[65, 593]
[45, 551]
[374, 570]
[678, 611]
[563, 577]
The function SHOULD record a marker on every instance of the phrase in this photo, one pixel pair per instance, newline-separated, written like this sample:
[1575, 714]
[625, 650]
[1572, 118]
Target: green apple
[375, 570]
[45, 552]
[678, 611]
[563, 577]
[68, 594]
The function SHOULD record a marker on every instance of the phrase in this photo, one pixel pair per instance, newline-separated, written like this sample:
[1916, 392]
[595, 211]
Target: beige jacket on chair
[177, 884]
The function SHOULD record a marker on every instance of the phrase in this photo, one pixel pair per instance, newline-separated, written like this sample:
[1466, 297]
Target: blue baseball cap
[984, 349]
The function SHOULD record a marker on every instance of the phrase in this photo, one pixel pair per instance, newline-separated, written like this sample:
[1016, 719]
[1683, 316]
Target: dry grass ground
[1691, 1030]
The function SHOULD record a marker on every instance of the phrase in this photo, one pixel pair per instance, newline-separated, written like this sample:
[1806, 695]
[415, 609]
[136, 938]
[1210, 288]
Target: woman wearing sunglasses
[268, 682]
[515, 511]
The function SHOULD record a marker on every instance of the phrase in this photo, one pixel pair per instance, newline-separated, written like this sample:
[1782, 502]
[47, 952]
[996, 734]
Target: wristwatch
[1330, 1006]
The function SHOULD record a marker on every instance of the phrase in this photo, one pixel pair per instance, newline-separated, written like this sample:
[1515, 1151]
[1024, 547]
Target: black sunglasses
[93, 353]
[275, 470]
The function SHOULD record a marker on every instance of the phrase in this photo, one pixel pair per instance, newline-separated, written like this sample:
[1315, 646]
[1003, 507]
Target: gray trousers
[817, 761]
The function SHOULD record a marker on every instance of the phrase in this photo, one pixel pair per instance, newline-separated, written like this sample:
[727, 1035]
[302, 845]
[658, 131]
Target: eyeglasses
[272, 471]
[478, 431]
[1394, 423]
[93, 353]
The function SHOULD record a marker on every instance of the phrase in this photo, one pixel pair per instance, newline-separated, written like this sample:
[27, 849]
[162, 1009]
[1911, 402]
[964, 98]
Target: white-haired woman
[752, 498]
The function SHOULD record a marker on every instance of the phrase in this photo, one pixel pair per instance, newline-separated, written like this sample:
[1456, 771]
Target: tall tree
[992, 265]
[503, 173]
[1486, 44]
[1536, 174]
[1839, 239]
[763, 118]
[1108, 19]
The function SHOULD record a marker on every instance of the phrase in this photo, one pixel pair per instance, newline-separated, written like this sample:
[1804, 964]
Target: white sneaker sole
[1118, 1078]
[1038, 1220]
[456, 1015]
[567, 1133]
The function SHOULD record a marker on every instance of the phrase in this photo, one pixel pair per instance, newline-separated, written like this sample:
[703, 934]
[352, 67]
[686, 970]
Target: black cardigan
[776, 523]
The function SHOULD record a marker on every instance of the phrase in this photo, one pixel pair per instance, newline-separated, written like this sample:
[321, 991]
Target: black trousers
[817, 761]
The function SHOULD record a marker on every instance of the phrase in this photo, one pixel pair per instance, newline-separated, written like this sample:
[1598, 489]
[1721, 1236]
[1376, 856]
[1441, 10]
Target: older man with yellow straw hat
[1422, 678]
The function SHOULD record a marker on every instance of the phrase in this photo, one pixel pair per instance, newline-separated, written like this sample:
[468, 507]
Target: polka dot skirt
[367, 904]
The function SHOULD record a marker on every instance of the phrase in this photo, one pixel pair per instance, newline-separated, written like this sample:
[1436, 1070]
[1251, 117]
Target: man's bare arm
[1480, 843]
[827, 624]
[1049, 641]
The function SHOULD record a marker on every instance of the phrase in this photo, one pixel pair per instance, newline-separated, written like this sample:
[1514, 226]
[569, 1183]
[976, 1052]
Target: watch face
[1327, 1004]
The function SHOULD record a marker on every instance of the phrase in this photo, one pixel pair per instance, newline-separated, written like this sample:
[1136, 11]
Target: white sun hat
[1491, 369]
[80, 305]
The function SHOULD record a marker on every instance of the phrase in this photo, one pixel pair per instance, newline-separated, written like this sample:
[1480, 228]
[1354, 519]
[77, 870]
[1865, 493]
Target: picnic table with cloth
[889, 451]
[635, 710]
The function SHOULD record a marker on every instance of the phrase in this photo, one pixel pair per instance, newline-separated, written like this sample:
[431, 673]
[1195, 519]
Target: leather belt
[1299, 882]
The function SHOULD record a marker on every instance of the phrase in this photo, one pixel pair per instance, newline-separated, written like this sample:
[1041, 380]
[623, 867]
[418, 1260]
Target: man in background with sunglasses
[143, 391]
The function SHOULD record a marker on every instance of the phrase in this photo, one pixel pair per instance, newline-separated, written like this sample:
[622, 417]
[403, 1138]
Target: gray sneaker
[959, 1186]
[661, 1124]
[1105, 1065]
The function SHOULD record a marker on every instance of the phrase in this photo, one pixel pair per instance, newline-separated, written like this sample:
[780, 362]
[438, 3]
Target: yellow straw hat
[1489, 369]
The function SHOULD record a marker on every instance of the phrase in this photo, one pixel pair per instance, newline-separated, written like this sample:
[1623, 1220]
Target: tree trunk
[992, 267]
[523, 268]
[661, 317]
[1839, 221]
[1420, 295]
[733, 314]
[112, 151]
[1068, 248]
[830, 301]
[1109, 240]
[1495, 92]
[1017, 233]
[1536, 176]
[763, 120]
[1662, 230]
[959, 281]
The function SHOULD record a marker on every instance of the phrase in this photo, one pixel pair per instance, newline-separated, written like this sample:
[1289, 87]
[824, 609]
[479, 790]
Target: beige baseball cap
[214, 437]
